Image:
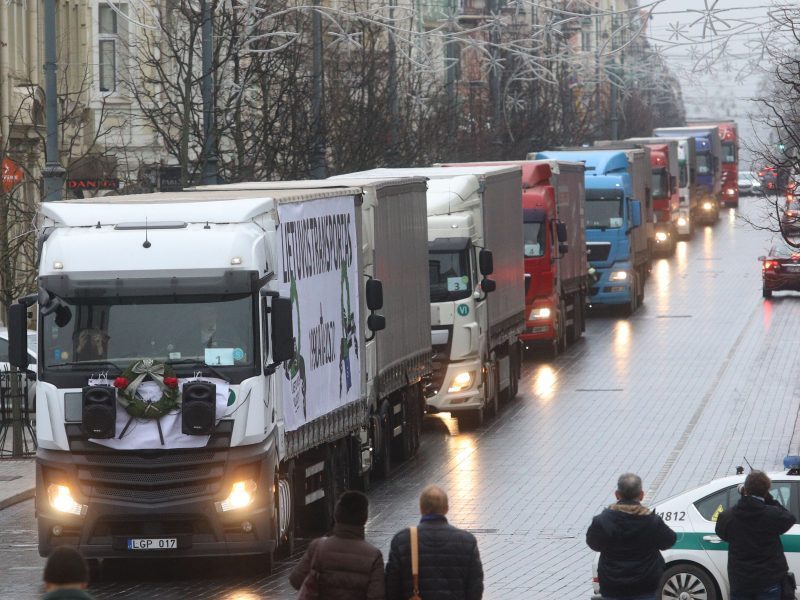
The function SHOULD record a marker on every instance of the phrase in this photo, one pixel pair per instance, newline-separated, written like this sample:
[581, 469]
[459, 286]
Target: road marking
[712, 388]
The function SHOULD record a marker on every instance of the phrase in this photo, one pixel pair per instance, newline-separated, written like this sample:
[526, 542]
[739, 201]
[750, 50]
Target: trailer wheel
[765, 292]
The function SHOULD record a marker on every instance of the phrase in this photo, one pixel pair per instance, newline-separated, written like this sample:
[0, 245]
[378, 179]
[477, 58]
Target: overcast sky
[718, 68]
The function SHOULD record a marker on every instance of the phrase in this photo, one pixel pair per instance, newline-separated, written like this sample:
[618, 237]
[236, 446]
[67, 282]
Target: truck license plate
[152, 543]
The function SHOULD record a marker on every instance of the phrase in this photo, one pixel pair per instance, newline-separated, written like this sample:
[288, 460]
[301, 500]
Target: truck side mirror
[488, 285]
[374, 289]
[486, 262]
[376, 322]
[561, 232]
[18, 336]
[636, 213]
[281, 330]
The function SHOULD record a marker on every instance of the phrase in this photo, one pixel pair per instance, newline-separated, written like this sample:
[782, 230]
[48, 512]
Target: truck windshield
[215, 330]
[660, 184]
[449, 275]
[604, 209]
[728, 152]
[704, 162]
[534, 232]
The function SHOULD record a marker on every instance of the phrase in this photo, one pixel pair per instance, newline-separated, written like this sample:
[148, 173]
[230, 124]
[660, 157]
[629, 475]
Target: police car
[697, 565]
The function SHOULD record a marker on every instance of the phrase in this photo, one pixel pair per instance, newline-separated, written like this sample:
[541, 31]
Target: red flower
[171, 382]
[120, 383]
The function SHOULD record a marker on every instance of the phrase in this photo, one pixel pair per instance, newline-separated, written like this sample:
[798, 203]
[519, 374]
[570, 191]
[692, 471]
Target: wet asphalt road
[699, 378]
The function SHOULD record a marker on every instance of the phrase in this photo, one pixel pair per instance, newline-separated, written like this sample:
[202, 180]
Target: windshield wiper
[88, 363]
[198, 363]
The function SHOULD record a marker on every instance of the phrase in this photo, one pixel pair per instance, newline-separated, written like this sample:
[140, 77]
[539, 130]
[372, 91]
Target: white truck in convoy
[474, 232]
[212, 368]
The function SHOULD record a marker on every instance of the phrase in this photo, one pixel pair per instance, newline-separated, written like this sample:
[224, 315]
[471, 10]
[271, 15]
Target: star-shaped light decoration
[708, 16]
[677, 30]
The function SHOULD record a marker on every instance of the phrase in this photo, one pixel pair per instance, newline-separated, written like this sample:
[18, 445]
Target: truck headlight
[682, 222]
[242, 495]
[730, 191]
[661, 236]
[618, 276]
[540, 313]
[707, 206]
[462, 381]
[60, 497]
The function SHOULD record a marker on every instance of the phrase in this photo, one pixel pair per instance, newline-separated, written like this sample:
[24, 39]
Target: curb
[17, 498]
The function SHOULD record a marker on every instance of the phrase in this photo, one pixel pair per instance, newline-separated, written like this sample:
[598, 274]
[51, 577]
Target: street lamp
[53, 172]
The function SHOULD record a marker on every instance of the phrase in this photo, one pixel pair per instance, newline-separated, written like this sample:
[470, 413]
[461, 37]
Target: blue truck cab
[708, 169]
[616, 241]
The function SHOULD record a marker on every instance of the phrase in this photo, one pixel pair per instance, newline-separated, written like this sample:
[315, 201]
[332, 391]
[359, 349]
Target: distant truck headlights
[708, 205]
[537, 314]
[242, 495]
[60, 497]
[661, 236]
[461, 382]
[618, 276]
[682, 222]
[730, 192]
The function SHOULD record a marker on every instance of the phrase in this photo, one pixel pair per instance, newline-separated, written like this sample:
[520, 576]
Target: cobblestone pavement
[701, 377]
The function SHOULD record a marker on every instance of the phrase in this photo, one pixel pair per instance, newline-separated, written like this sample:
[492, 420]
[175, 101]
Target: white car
[697, 565]
[5, 366]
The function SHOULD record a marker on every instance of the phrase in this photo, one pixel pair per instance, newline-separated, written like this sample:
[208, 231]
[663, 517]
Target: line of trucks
[305, 343]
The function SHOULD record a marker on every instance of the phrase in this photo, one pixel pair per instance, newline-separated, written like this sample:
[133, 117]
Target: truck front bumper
[469, 397]
[171, 497]
[606, 291]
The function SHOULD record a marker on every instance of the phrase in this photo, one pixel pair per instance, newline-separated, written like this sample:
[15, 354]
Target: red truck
[666, 196]
[729, 140]
[557, 277]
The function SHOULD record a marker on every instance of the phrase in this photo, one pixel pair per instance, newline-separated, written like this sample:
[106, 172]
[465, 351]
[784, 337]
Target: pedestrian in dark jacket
[66, 575]
[629, 538]
[349, 567]
[756, 562]
[449, 563]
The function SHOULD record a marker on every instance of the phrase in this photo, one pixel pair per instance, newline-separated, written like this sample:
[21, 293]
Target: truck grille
[149, 476]
[598, 251]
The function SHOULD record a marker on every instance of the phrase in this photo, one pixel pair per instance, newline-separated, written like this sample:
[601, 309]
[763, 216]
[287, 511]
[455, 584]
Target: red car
[780, 270]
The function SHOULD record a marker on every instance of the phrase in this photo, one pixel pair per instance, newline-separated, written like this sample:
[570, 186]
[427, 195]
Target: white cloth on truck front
[142, 434]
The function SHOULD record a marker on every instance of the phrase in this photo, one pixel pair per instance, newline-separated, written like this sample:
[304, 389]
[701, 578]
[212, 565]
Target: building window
[109, 33]
[586, 34]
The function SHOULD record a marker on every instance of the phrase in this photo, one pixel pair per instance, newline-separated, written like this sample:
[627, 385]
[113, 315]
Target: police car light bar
[791, 463]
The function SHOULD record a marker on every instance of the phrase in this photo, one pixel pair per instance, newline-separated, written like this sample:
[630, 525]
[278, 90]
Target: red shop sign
[11, 174]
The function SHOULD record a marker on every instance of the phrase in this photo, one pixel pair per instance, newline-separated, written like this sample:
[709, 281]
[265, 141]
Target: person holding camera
[757, 567]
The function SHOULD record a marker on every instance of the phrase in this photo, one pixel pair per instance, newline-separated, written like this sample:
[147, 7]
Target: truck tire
[492, 403]
[576, 328]
[285, 509]
[385, 457]
[765, 292]
[471, 419]
[630, 308]
[516, 362]
[562, 333]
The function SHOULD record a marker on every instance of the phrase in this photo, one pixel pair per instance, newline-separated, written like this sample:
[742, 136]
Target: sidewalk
[17, 481]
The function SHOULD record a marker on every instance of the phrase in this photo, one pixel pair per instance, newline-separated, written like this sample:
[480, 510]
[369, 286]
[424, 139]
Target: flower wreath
[134, 376]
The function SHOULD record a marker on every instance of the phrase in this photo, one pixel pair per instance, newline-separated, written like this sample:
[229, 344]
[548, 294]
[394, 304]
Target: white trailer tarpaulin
[318, 270]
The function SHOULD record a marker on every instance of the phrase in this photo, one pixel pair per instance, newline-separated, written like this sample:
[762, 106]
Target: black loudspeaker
[99, 414]
[198, 408]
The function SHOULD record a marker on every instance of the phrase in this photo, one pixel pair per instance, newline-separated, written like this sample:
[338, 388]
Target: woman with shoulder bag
[342, 566]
